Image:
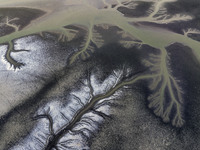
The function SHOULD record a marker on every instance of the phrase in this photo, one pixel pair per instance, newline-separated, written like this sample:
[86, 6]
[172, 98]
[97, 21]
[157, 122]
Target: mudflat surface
[124, 77]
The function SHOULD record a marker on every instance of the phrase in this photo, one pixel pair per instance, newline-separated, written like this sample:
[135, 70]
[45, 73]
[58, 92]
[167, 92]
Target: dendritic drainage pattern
[166, 98]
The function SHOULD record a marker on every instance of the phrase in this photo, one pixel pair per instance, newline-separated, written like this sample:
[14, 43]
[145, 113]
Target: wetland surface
[99, 75]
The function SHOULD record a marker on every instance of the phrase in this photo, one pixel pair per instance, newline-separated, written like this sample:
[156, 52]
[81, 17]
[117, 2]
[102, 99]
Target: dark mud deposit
[124, 78]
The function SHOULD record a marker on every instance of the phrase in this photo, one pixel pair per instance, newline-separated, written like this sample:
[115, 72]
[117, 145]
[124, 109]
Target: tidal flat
[99, 75]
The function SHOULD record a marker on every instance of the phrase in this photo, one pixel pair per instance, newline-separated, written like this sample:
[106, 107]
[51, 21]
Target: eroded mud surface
[99, 74]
